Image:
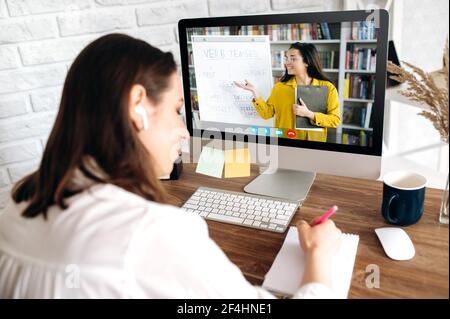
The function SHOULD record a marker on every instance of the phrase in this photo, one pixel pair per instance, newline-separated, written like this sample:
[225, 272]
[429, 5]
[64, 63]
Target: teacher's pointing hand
[247, 86]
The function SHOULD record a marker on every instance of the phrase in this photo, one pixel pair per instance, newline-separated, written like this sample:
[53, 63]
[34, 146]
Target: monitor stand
[282, 183]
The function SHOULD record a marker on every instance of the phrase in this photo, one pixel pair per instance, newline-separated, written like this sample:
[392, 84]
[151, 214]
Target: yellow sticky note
[237, 163]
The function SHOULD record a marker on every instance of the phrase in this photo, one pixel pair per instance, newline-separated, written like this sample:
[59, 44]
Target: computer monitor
[339, 132]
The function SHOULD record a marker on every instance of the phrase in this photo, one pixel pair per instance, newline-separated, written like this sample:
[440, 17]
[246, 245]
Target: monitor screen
[311, 82]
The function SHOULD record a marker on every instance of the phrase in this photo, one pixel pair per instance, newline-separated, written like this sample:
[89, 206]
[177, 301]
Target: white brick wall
[13, 104]
[13, 31]
[27, 7]
[9, 58]
[3, 13]
[40, 38]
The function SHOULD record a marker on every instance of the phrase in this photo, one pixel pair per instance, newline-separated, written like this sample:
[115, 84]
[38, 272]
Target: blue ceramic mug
[403, 197]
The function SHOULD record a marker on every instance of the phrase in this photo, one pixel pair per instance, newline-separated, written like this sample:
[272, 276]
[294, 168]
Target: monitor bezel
[311, 17]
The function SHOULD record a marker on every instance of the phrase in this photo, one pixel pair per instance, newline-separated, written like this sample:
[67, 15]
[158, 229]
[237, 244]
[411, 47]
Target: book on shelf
[211, 31]
[350, 139]
[358, 116]
[347, 86]
[276, 32]
[278, 58]
[194, 102]
[363, 30]
[191, 58]
[361, 138]
[329, 59]
[357, 86]
[368, 116]
[192, 80]
[358, 58]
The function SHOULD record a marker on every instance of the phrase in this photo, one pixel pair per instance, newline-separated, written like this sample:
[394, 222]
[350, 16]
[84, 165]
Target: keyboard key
[191, 206]
[284, 217]
[225, 218]
[256, 223]
[248, 222]
[278, 221]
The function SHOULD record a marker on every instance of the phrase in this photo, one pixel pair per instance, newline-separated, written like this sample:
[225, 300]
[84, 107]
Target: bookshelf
[356, 83]
[333, 41]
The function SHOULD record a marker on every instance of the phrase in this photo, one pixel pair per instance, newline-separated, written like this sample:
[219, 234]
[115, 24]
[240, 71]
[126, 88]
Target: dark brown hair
[310, 57]
[93, 121]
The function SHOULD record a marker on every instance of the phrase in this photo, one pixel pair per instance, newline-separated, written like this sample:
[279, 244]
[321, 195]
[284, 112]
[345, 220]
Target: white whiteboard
[220, 60]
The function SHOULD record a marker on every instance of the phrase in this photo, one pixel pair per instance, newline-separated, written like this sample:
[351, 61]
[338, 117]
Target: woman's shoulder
[113, 200]
[327, 83]
[278, 85]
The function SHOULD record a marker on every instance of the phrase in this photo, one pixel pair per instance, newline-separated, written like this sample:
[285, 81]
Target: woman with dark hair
[303, 67]
[91, 221]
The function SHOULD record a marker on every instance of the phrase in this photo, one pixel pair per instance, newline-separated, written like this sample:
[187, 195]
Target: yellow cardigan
[280, 104]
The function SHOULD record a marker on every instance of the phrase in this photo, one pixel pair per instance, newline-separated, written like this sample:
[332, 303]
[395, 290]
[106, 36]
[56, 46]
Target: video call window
[227, 65]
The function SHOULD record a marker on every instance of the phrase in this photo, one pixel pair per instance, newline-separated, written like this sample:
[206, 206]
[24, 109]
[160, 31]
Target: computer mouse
[396, 243]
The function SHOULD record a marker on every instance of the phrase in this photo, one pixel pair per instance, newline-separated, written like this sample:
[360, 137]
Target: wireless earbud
[143, 113]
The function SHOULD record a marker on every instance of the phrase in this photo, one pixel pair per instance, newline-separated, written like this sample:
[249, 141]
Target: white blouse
[110, 243]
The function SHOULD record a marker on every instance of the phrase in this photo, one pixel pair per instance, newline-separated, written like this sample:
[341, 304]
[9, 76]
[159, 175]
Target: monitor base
[282, 183]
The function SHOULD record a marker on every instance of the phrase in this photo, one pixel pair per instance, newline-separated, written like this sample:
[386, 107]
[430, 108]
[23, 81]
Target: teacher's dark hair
[311, 57]
[93, 122]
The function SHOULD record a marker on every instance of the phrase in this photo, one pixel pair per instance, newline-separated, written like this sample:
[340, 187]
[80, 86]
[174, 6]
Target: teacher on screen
[303, 67]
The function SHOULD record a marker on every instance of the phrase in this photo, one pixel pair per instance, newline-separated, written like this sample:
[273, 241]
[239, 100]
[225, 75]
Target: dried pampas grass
[430, 89]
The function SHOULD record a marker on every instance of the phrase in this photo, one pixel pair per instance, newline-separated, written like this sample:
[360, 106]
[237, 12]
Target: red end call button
[291, 133]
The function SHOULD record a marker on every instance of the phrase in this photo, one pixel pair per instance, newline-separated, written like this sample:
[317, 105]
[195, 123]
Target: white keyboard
[243, 209]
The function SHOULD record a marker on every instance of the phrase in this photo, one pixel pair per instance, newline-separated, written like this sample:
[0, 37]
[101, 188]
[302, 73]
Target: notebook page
[286, 273]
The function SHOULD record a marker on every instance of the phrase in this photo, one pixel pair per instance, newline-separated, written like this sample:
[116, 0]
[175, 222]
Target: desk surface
[359, 201]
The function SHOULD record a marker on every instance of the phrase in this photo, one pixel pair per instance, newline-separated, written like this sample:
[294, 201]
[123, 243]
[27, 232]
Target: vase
[443, 216]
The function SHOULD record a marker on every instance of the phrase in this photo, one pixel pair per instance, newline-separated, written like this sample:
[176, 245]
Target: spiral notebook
[286, 273]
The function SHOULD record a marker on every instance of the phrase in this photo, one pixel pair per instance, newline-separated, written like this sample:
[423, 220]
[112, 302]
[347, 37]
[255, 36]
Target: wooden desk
[359, 201]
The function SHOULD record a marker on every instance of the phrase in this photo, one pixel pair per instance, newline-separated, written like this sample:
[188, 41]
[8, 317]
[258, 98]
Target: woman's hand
[323, 238]
[320, 243]
[303, 111]
[247, 86]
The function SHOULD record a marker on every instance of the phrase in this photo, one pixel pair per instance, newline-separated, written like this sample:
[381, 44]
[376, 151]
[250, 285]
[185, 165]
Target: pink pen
[325, 216]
